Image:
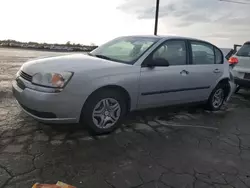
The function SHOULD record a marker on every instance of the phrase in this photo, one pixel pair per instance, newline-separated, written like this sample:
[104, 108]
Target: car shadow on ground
[162, 113]
[141, 116]
[244, 93]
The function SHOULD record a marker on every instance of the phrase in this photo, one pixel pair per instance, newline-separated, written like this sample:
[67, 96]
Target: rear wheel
[217, 97]
[104, 110]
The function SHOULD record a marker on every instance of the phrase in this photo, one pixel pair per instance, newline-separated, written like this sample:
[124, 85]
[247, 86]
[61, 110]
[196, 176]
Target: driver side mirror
[158, 62]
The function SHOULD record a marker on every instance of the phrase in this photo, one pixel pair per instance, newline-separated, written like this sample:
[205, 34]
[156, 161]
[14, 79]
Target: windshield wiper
[100, 56]
[103, 57]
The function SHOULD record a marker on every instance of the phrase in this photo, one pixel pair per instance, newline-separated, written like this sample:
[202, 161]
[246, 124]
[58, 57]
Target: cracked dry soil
[160, 148]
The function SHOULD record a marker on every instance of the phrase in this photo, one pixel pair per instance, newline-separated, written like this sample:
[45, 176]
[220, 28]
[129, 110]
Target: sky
[98, 21]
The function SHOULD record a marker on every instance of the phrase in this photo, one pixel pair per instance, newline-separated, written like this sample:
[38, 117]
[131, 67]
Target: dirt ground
[158, 148]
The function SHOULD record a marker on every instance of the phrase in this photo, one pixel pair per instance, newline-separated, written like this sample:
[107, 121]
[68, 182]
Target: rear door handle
[184, 72]
[217, 71]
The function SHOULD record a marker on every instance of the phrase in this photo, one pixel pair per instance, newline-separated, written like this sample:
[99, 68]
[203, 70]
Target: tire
[211, 104]
[96, 104]
[237, 89]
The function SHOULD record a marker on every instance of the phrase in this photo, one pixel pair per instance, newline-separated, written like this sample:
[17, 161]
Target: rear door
[205, 69]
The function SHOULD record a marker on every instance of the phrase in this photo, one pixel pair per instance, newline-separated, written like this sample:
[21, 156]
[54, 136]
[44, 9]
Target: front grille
[26, 76]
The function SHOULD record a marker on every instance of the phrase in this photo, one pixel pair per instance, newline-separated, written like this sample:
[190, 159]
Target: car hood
[74, 63]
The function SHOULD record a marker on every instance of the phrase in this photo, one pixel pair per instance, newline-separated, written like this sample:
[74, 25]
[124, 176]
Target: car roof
[166, 37]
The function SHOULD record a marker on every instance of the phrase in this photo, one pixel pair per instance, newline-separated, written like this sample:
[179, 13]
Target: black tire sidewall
[91, 103]
[210, 100]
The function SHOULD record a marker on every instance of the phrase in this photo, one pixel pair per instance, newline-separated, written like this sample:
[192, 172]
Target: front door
[165, 85]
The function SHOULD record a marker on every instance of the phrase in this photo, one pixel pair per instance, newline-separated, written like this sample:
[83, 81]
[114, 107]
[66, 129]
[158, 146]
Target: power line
[157, 11]
[237, 2]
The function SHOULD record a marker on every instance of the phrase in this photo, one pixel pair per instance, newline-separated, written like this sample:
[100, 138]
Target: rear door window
[218, 56]
[244, 50]
[202, 53]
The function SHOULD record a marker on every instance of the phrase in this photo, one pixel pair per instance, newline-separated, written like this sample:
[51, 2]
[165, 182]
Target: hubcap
[106, 113]
[218, 98]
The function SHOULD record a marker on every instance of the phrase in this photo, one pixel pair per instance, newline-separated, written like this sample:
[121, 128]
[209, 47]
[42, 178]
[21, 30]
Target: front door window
[172, 51]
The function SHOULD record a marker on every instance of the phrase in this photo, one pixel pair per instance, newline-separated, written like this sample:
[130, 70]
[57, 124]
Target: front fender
[129, 82]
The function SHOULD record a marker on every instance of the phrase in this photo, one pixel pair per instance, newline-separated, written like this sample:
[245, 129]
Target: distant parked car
[241, 66]
[125, 74]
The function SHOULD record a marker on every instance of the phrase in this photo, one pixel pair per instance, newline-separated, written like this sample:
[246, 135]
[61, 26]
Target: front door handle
[184, 72]
[217, 71]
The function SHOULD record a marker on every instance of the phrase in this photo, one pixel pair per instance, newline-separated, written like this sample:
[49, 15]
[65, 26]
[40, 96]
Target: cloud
[191, 11]
[198, 18]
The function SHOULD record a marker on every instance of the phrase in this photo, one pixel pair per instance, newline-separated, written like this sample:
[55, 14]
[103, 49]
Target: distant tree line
[46, 46]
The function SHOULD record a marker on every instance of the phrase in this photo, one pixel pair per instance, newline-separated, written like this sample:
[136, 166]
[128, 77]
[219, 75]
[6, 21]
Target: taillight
[233, 60]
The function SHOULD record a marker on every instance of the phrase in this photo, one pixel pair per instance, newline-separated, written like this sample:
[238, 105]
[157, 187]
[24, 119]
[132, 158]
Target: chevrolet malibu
[128, 73]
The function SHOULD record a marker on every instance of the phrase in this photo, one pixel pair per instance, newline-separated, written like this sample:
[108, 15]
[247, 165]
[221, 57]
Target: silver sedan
[125, 74]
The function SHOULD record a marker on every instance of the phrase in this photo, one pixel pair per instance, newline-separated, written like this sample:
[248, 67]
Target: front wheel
[217, 98]
[104, 111]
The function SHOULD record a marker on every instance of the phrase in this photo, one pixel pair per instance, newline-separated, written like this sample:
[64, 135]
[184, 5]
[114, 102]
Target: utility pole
[156, 16]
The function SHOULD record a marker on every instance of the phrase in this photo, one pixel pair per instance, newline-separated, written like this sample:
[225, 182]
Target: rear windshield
[244, 50]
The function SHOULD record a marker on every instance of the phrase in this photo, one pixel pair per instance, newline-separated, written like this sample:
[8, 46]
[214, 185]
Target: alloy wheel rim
[106, 113]
[218, 98]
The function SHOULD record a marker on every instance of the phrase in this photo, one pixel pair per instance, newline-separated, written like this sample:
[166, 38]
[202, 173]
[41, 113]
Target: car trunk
[244, 62]
[243, 56]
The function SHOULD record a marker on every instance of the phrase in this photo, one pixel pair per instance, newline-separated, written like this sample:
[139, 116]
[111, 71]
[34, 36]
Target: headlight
[53, 80]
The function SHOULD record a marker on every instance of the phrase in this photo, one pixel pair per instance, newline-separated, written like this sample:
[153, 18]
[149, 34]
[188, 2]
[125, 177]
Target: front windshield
[124, 49]
[244, 50]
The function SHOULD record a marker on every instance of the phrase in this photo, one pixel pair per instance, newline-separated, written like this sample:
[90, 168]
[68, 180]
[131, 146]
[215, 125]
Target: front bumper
[48, 107]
